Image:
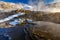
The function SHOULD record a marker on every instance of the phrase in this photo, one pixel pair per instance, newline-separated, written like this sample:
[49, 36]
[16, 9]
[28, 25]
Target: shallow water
[13, 32]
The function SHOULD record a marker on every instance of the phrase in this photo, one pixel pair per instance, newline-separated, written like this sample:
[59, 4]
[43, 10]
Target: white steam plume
[41, 6]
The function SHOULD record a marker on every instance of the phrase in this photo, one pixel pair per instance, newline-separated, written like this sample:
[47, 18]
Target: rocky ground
[36, 26]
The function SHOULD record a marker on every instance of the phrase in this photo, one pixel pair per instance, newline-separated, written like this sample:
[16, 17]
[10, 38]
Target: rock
[44, 30]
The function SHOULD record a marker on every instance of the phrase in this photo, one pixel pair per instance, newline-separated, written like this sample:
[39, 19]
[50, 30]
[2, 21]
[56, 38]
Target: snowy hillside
[8, 6]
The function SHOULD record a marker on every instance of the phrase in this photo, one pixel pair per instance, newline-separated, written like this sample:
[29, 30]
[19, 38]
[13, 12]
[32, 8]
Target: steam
[41, 6]
[56, 1]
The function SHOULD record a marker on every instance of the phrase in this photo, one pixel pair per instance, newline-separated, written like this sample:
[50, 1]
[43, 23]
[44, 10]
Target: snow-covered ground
[9, 6]
[11, 17]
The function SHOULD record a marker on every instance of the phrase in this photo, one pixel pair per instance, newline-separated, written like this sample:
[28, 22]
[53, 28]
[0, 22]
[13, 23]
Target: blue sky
[16, 1]
[26, 1]
[47, 1]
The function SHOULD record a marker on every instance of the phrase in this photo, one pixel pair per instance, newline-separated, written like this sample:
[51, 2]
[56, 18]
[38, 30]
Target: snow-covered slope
[8, 6]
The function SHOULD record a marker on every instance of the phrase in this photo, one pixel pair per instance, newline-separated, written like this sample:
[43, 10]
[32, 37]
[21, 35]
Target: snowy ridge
[9, 6]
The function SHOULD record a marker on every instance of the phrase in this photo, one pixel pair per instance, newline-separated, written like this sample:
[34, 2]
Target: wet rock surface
[45, 30]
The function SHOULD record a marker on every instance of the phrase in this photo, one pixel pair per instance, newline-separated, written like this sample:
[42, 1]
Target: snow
[27, 7]
[14, 22]
[11, 17]
[9, 6]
